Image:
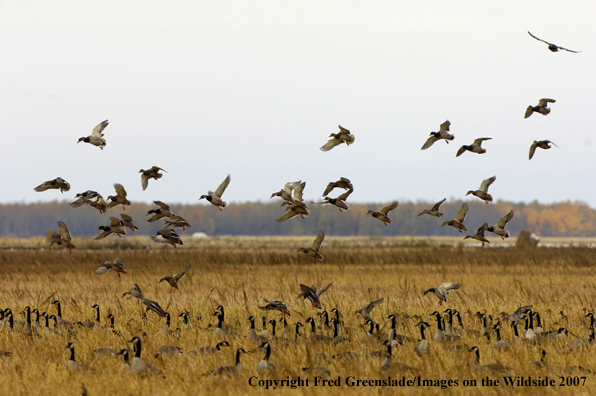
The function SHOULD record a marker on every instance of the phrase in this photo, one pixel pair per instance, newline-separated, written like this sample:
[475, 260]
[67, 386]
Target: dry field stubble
[239, 279]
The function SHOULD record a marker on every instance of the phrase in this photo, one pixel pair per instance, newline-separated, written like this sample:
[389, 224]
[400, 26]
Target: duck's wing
[373, 305]
[505, 219]
[323, 289]
[307, 290]
[486, 183]
[144, 181]
[97, 131]
[482, 229]
[222, 187]
[429, 142]
[44, 186]
[568, 50]
[157, 239]
[329, 188]
[445, 126]
[544, 101]
[345, 195]
[461, 215]
[316, 245]
[288, 187]
[539, 39]
[161, 205]
[331, 143]
[388, 209]
[126, 217]
[178, 275]
[343, 130]
[448, 286]
[298, 191]
[120, 189]
[547, 141]
[290, 214]
[529, 112]
[102, 235]
[438, 205]
[461, 150]
[64, 233]
[533, 148]
[119, 262]
[114, 222]
[103, 269]
[478, 142]
[157, 168]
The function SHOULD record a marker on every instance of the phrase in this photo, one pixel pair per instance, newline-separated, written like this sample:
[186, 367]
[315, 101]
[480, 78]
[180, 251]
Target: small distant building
[199, 235]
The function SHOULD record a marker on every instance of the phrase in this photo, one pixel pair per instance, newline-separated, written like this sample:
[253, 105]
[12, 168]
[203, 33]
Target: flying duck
[434, 210]
[314, 249]
[96, 137]
[541, 108]
[459, 219]
[482, 192]
[381, 215]
[553, 47]
[436, 136]
[343, 136]
[543, 144]
[475, 147]
[56, 184]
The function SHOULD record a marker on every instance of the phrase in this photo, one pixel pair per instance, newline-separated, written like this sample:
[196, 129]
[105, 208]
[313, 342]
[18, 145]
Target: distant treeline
[256, 218]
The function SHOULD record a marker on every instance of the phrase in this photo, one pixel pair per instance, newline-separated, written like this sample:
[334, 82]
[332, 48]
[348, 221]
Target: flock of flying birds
[295, 205]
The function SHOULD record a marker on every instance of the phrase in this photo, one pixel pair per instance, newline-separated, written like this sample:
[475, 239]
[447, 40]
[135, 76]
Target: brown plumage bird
[175, 278]
[436, 136]
[96, 137]
[543, 144]
[65, 238]
[152, 173]
[541, 108]
[127, 221]
[343, 182]
[479, 236]
[343, 136]
[56, 184]
[553, 47]
[442, 291]
[381, 215]
[458, 222]
[482, 192]
[314, 249]
[114, 228]
[119, 198]
[117, 266]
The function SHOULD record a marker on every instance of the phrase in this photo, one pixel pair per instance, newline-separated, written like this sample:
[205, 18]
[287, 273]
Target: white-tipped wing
[298, 192]
[316, 245]
[486, 183]
[99, 128]
[222, 187]
[505, 219]
[461, 215]
[64, 233]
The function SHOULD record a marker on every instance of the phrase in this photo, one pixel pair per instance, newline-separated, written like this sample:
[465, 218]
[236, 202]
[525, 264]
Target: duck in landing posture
[314, 249]
[458, 222]
[296, 208]
[475, 147]
[435, 209]
[65, 238]
[127, 221]
[162, 211]
[553, 47]
[117, 267]
[479, 236]
[340, 200]
[542, 107]
[343, 182]
[313, 294]
[175, 278]
[152, 173]
[499, 228]
[56, 184]
[215, 197]
[343, 136]
[436, 136]
[543, 144]
[381, 215]
[482, 192]
[442, 291]
[119, 198]
[286, 192]
[367, 309]
[167, 235]
[114, 228]
[96, 137]
[276, 306]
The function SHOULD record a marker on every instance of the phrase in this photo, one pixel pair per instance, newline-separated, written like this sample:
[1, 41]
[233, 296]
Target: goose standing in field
[56, 184]
[215, 197]
[436, 136]
[119, 198]
[286, 192]
[479, 236]
[209, 350]
[541, 108]
[117, 267]
[114, 228]
[59, 320]
[313, 294]
[538, 364]
[543, 144]
[493, 367]
[151, 305]
[434, 211]
[252, 334]
[458, 222]
[442, 291]
[343, 182]
[500, 344]
[482, 192]
[276, 306]
[167, 235]
[340, 200]
[161, 212]
[265, 366]
[297, 207]
[230, 370]
[423, 346]
[475, 147]
[220, 331]
[461, 328]
[314, 337]
[72, 365]
[343, 136]
[126, 365]
[166, 328]
[46, 328]
[337, 339]
[389, 367]
[110, 327]
[175, 278]
[553, 47]
[95, 324]
[177, 221]
[152, 173]
[65, 238]
[367, 309]
[139, 367]
[91, 198]
[381, 215]
[499, 228]
[315, 248]
[127, 221]
[96, 137]
[393, 337]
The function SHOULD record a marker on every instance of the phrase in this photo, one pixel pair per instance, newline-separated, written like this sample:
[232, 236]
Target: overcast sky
[254, 88]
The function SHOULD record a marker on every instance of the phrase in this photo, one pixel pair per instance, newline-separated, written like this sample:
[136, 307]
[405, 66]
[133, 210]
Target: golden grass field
[239, 273]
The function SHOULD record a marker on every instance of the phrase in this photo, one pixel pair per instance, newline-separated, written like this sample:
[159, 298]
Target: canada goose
[393, 336]
[126, 365]
[337, 339]
[110, 327]
[382, 215]
[340, 200]
[493, 367]
[27, 312]
[461, 328]
[370, 332]
[252, 334]
[215, 197]
[501, 344]
[389, 367]
[539, 329]
[516, 336]
[177, 222]
[436, 136]
[56, 184]
[479, 236]
[93, 325]
[482, 192]
[314, 337]
[220, 332]
[72, 365]
[276, 306]
[475, 147]
[46, 328]
[286, 192]
[273, 323]
[439, 333]
[175, 278]
[119, 198]
[458, 222]
[347, 357]
[499, 228]
[224, 326]
[65, 238]
[166, 328]
[449, 325]
[540, 363]
[541, 108]
[104, 352]
[313, 294]
[209, 350]
[114, 228]
[152, 173]
[553, 47]
[434, 211]
[317, 371]
[367, 309]
[139, 367]
[96, 137]
[529, 332]
[314, 249]
[168, 350]
[263, 331]
[151, 305]
[343, 136]
[343, 182]
[264, 366]
[161, 212]
[543, 144]
[423, 346]
[60, 321]
[117, 267]
[230, 370]
[442, 291]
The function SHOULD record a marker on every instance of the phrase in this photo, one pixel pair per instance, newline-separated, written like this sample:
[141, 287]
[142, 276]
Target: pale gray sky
[203, 89]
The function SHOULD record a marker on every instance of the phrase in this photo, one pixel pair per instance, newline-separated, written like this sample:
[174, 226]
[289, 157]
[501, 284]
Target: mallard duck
[381, 215]
[434, 211]
[92, 198]
[177, 222]
[114, 228]
[543, 144]
[65, 238]
[313, 294]
[117, 266]
[499, 228]
[459, 219]
[366, 310]
[293, 210]
[140, 367]
[96, 137]
[265, 366]
[167, 235]
[56, 184]
[276, 306]
[230, 370]
[479, 236]
[436, 136]
[340, 200]
[152, 173]
[475, 147]
[162, 211]
[286, 192]
[553, 47]
[493, 367]
[343, 182]
[343, 136]
[314, 249]
[151, 305]
[72, 365]
[119, 198]
[175, 278]
[541, 108]
[215, 197]
[442, 291]
[127, 221]
[482, 192]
